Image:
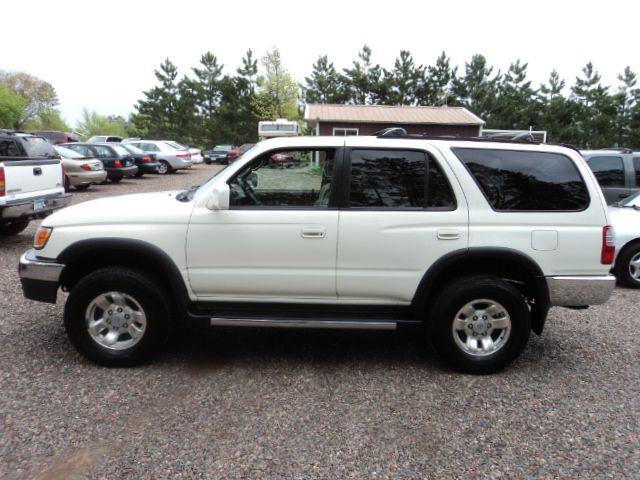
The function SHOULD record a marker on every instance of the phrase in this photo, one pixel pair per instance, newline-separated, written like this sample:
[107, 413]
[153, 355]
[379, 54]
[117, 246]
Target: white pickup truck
[31, 181]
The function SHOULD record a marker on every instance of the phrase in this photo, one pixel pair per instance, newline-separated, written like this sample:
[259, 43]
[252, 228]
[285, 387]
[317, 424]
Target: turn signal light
[42, 237]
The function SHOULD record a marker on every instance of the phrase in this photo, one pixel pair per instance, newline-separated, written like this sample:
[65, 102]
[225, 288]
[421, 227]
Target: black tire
[67, 184]
[13, 228]
[82, 187]
[139, 173]
[474, 291]
[164, 167]
[624, 269]
[141, 291]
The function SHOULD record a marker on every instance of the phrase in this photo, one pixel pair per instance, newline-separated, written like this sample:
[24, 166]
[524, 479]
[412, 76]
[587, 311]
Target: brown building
[327, 119]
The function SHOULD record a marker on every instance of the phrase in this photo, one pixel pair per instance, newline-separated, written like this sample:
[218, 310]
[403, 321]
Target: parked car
[617, 171]
[146, 162]
[625, 218]
[471, 242]
[117, 161]
[171, 155]
[56, 138]
[238, 152]
[284, 160]
[80, 172]
[31, 180]
[104, 138]
[218, 154]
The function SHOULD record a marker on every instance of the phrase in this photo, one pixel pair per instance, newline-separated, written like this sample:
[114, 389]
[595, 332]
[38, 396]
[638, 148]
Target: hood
[159, 207]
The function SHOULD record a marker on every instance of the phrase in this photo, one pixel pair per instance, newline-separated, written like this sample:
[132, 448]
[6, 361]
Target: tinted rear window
[526, 181]
[609, 170]
[38, 147]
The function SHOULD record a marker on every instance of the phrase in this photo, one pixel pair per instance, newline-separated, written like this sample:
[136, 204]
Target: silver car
[171, 155]
[625, 218]
[79, 171]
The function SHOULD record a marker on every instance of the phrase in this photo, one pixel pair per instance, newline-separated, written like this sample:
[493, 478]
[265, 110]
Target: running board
[293, 323]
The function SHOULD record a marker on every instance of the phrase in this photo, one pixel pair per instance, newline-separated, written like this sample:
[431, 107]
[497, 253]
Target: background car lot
[305, 404]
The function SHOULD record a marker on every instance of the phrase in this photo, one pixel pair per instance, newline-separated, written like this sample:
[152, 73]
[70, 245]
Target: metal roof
[390, 114]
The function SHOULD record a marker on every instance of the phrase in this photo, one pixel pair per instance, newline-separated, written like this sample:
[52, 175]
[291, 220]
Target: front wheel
[116, 316]
[628, 266]
[480, 324]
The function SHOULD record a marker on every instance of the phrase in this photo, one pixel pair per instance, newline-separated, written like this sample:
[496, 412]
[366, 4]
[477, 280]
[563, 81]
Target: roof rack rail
[618, 149]
[397, 134]
[391, 132]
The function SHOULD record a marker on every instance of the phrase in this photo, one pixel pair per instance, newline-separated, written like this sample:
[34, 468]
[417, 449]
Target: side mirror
[252, 180]
[219, 199]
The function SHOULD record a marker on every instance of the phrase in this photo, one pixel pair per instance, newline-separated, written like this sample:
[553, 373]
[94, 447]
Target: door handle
[450, 234]
[623, 195]
[313, 232]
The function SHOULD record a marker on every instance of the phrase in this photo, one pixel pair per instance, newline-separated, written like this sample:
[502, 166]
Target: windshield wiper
[187, 195]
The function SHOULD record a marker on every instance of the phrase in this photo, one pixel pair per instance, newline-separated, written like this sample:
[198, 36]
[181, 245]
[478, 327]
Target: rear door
[403, 210]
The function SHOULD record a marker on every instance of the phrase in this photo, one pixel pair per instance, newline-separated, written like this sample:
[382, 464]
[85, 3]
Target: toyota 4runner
[471, 240]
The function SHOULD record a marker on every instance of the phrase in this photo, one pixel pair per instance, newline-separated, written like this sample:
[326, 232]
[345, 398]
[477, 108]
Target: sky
[102, 55]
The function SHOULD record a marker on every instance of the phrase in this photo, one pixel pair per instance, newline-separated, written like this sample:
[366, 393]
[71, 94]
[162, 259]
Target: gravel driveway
[248, 403]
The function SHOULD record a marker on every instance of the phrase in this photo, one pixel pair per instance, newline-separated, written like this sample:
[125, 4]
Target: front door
[277, 241]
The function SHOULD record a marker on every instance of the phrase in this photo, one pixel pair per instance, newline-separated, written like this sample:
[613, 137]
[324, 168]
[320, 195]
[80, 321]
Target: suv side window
[526, 181]
[398, 179]
[9, 148]
[285, 179]
[609, 170]
[636, 168]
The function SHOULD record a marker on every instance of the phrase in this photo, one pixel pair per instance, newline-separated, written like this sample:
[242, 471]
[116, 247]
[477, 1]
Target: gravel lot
[249, 403]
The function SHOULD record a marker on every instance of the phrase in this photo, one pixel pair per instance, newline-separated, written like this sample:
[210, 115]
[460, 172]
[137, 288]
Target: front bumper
[29, 209]
[39, 277]
[580, 291]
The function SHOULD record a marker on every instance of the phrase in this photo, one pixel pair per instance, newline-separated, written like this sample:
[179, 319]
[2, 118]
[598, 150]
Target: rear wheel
[67, 184]
[164, 167]
[116, 180]
[82, 187]
[13, 228]
[480, 324]
[116, 316]
[139, 173]
[628, 266]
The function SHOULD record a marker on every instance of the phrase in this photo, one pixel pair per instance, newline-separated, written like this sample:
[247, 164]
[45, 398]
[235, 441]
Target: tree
[39, 96]
[278, 93]
[358, 79]
[477, 90]
[436, 88]
[558, 113]
[516, 106]
[249, 70]
[626, 100]
[205, 89]
[48, 120]
[597, 110]
[324, 85]
[92, 123]
[405, 78]
[158, 114]
[12, 107]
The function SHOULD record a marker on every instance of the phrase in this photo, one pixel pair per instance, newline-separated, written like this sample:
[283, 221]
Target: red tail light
[2, 184]
[608, 245]
[183, 155]
[85, 167]
[146, 160]
[117, 164]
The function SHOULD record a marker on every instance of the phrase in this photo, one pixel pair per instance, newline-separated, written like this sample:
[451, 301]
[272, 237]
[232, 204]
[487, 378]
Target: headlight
[42, 237]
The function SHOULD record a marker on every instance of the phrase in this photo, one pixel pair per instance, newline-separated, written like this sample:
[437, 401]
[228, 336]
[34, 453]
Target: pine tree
[516, 106]
[477, 90]
[324, 85]
[436, 88]
[405, 80]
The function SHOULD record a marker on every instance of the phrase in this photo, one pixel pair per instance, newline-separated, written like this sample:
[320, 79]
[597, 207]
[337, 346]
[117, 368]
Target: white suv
[472, 241]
